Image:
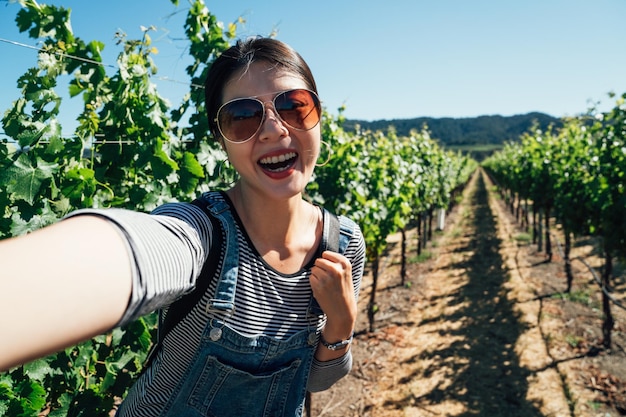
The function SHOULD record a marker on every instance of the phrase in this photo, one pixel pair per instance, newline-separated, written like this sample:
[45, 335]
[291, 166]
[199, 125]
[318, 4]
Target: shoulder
[189, 213]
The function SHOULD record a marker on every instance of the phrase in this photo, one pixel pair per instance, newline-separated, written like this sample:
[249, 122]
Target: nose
[272, 125]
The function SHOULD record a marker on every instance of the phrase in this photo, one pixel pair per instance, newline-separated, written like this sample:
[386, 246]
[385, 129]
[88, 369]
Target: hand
[331, 282]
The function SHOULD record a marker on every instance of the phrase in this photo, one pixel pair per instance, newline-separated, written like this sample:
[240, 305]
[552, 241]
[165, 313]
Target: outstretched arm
[61, 285]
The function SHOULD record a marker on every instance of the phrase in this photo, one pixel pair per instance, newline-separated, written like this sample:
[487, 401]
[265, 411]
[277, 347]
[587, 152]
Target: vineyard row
[575, 175]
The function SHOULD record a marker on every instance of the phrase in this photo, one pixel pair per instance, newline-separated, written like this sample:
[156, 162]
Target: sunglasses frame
[263, 103]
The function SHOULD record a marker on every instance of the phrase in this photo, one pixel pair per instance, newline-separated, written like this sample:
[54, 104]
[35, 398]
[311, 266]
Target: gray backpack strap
[335, 237]
[330, 235]
[337, 232]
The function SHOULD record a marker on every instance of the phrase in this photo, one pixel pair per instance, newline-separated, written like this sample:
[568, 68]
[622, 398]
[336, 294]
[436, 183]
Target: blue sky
[390, 59]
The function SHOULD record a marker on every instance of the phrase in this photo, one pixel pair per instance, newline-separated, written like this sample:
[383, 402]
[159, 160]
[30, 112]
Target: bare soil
[482, 328]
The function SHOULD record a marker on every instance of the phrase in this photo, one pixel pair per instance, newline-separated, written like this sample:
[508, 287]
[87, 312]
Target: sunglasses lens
[239, 120]
[300, 109]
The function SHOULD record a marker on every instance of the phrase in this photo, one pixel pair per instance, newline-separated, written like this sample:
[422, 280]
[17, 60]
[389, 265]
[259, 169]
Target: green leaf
[55, 145]
[4, 407]
[79, 183]
[6, 390]
[89, 403]
[190, 174]
[23, 179]
[191, 165]
[32, 396]
[121, 363]
[37, 370]
[75, 88]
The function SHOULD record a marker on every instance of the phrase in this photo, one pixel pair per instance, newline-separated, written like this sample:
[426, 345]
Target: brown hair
[240, 56]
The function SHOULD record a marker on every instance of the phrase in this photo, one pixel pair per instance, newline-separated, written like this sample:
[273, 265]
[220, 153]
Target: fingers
[331, 282]
[332, 263]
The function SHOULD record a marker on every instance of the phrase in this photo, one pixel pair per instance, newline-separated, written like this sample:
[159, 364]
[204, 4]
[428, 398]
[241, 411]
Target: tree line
[448, 131]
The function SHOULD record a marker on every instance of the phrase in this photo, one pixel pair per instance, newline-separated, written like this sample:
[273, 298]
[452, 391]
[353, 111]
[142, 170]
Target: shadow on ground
[482, 368]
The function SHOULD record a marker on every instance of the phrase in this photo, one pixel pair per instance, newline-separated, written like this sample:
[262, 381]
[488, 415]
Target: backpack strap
[335, 237]
[330, 235]
[338, 231]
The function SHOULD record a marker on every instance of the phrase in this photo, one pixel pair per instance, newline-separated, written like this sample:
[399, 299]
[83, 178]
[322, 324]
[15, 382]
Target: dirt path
[466, 337]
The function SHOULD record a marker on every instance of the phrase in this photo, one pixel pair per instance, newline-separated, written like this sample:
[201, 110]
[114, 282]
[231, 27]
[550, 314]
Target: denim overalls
[234, 375]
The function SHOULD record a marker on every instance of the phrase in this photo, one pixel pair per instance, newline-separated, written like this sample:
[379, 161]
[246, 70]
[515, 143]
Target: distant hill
[453, 132]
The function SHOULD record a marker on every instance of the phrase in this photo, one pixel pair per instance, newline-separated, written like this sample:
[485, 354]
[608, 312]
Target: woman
[253, 344]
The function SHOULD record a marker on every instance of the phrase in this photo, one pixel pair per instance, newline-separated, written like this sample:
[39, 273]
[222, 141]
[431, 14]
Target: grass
[595, 406]
[424, 256]
[581, 296]
[574, 341]
[523, 238]
[456, 232]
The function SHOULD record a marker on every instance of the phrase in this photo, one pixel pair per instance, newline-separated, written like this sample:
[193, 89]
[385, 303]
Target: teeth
[277, 159]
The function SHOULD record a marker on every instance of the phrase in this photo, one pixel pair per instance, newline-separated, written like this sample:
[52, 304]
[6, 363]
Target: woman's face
[277, 161]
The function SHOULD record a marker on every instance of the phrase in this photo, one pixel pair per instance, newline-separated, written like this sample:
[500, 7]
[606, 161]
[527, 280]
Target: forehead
[260, 79]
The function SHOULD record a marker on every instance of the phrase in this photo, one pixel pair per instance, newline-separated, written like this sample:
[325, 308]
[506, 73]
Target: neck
[286, 232]
[273, 219]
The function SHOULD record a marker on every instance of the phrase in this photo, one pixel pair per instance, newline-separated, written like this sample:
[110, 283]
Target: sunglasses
[240, 119]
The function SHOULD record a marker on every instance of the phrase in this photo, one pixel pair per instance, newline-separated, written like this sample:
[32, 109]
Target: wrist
[336, 344]
[339, 327]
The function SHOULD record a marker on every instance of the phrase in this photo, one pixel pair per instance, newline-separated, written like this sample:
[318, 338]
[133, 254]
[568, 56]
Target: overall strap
[224, 299]
[346, 230]
[224, 235]
[221, 219]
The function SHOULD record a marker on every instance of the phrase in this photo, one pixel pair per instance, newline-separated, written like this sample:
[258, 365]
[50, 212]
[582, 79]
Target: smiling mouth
[278, 163]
